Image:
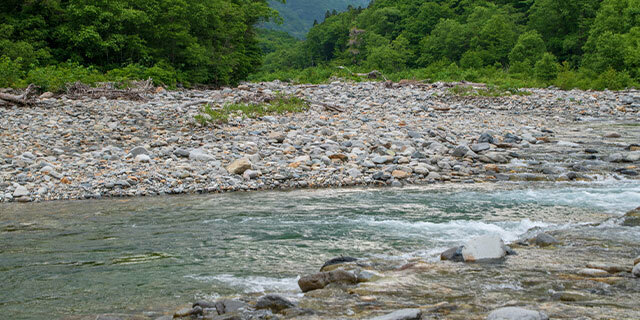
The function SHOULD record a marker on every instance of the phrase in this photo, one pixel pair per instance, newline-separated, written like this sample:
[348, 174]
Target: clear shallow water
[77, 259]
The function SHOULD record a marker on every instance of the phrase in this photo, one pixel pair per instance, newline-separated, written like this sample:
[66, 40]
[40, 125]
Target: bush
[55, 78]
[11, 72]
[547, 68]
[612, 80]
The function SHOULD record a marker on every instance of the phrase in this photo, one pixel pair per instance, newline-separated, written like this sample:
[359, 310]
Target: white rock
[515, 313]
[403, 314]
[200, 155]
[142, 158]
[636, 271]
[485, 247]
[20, 191]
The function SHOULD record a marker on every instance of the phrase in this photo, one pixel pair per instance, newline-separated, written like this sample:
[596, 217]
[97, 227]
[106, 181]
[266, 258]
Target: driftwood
[329, 107]
[375, 74]
[24, 100]
[80, 90]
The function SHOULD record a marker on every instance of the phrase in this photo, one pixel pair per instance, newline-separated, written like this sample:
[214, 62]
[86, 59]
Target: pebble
[403, 314]
[117, 148]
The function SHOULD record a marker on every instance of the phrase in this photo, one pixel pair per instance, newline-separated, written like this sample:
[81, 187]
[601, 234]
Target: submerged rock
[482, 248]
[227, 305]
[454, 254]
[515, 313]
[338, 260]
[632, 218]
[274, 302]
[403, 314]
[322, 279]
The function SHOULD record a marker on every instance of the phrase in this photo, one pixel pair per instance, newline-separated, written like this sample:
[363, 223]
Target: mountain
[299, 15]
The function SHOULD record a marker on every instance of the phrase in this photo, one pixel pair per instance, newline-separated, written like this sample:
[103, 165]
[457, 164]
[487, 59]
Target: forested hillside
[581, 43]
[298, 16]
[197, 41]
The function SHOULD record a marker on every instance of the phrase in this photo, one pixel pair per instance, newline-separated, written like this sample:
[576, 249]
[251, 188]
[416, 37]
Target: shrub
[11, 72]
[547, 68]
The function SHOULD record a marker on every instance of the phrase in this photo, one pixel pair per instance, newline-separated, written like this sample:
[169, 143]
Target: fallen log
[24, 100]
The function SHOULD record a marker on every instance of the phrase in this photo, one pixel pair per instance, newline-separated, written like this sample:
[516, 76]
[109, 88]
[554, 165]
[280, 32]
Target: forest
[588, 44]
[570, 44]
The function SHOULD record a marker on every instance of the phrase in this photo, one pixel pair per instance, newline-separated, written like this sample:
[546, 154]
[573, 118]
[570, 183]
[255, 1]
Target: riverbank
[354, 134]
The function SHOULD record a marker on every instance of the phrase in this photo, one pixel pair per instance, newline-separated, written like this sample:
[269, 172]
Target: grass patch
[281, 104]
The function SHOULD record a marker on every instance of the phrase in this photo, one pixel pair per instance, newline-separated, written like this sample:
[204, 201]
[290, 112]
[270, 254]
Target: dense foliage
[197, 41]
[298, 16]
[580, 43]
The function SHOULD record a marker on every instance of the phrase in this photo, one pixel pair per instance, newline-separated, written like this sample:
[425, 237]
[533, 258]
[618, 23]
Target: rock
[320, 280]
[338, 260]
[21, 191]
[454, 254]
[460, 151]
[636, 271]
[187, 312]
[403, 314]
[588, 272]
[277, 136]
[482, 248]
[636, 261]
[544, 240]
[607, 267]
[274, 302]
[227, 306]
[612, 135]
[142, 158]
[239, 166]
[251, 174]
[515, 313]
[354, 172]
[569, 296]
[632, 218]
[200, 155]
[486, 138]
[181, 153]
[381, 159]
[138, 151]
[399, 174]
[46, 95]
[479, 147]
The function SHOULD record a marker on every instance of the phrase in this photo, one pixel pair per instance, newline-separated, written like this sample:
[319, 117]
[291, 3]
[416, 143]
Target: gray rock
[181, 153]
[515, 313]
[460, 151]
[354, 172]
[338, 260]
[201, 155]
[482, 248]
[251, 174]
[138, 151]
[403, 314]
[274, 302]
[636, 271]
[21, 191]
[544, 240]
[632, 218]
[486, 138]
[479, 147]
[320, 280]
[454, 254]
[227, 306]
[381, 159]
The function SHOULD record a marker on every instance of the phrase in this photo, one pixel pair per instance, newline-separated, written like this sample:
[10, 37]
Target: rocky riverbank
[386, 134]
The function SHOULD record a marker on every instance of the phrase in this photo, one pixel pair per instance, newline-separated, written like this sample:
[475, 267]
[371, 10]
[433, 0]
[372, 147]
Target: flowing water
[73, 260]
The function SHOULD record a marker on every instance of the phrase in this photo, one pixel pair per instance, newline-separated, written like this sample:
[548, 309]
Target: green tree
[528, 50]
[547, 67]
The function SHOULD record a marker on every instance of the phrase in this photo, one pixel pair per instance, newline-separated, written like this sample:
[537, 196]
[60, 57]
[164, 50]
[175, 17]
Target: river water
[73, 260]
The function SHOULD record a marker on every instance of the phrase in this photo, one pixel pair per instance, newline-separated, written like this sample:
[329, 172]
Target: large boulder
[403, 314]
[274, 302]
[515, 313]
[239, 166]
[632, 218]
[483, 248]
[322, 279]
